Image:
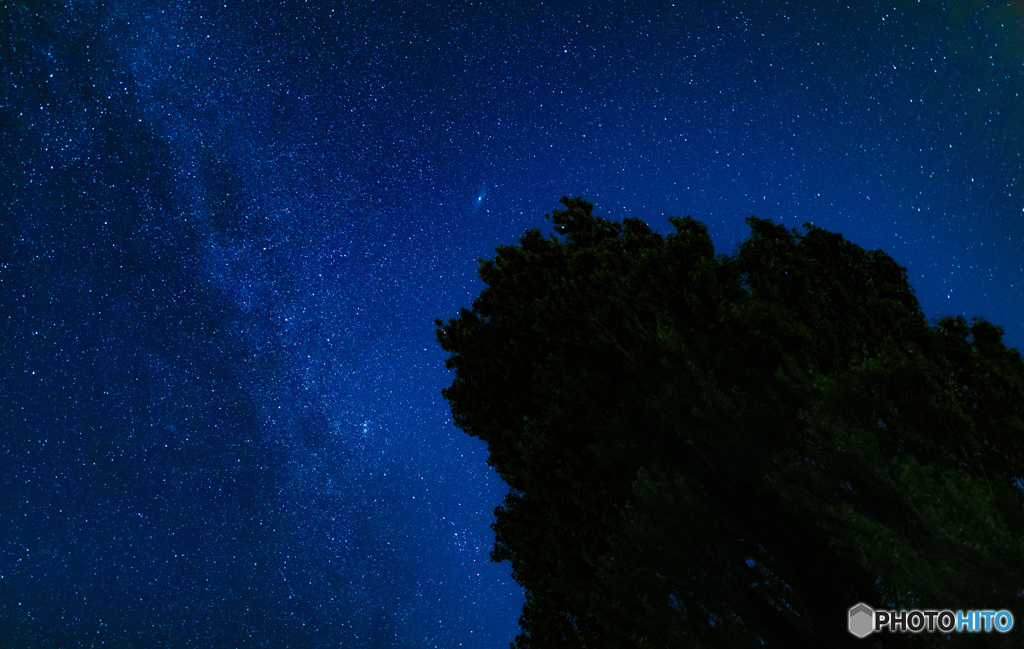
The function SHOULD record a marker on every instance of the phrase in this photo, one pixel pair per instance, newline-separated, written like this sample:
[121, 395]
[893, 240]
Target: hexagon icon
[862, 620]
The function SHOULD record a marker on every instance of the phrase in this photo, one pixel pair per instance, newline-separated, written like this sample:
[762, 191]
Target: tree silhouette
[724, 450]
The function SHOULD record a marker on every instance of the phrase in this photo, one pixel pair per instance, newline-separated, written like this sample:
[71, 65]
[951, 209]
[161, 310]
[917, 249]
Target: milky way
[226, 231]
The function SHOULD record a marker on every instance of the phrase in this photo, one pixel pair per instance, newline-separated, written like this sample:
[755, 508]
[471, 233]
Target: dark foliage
[732, 450]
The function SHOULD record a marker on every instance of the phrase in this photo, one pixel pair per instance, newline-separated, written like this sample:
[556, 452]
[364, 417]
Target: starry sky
[226, 229]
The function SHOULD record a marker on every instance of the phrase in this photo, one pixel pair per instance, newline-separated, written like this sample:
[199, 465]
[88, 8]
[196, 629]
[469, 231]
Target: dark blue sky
[226, 229]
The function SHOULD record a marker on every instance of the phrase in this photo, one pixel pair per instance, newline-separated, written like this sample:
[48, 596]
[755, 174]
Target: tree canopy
[731, 450]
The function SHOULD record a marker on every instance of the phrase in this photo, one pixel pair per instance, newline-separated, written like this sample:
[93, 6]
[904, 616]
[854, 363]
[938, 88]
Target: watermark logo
[864, 620]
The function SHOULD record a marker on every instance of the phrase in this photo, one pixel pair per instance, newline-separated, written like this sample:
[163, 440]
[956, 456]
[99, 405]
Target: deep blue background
[226, 229]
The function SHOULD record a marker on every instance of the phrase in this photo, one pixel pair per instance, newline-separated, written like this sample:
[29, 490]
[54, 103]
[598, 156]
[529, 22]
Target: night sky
[226, 230]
